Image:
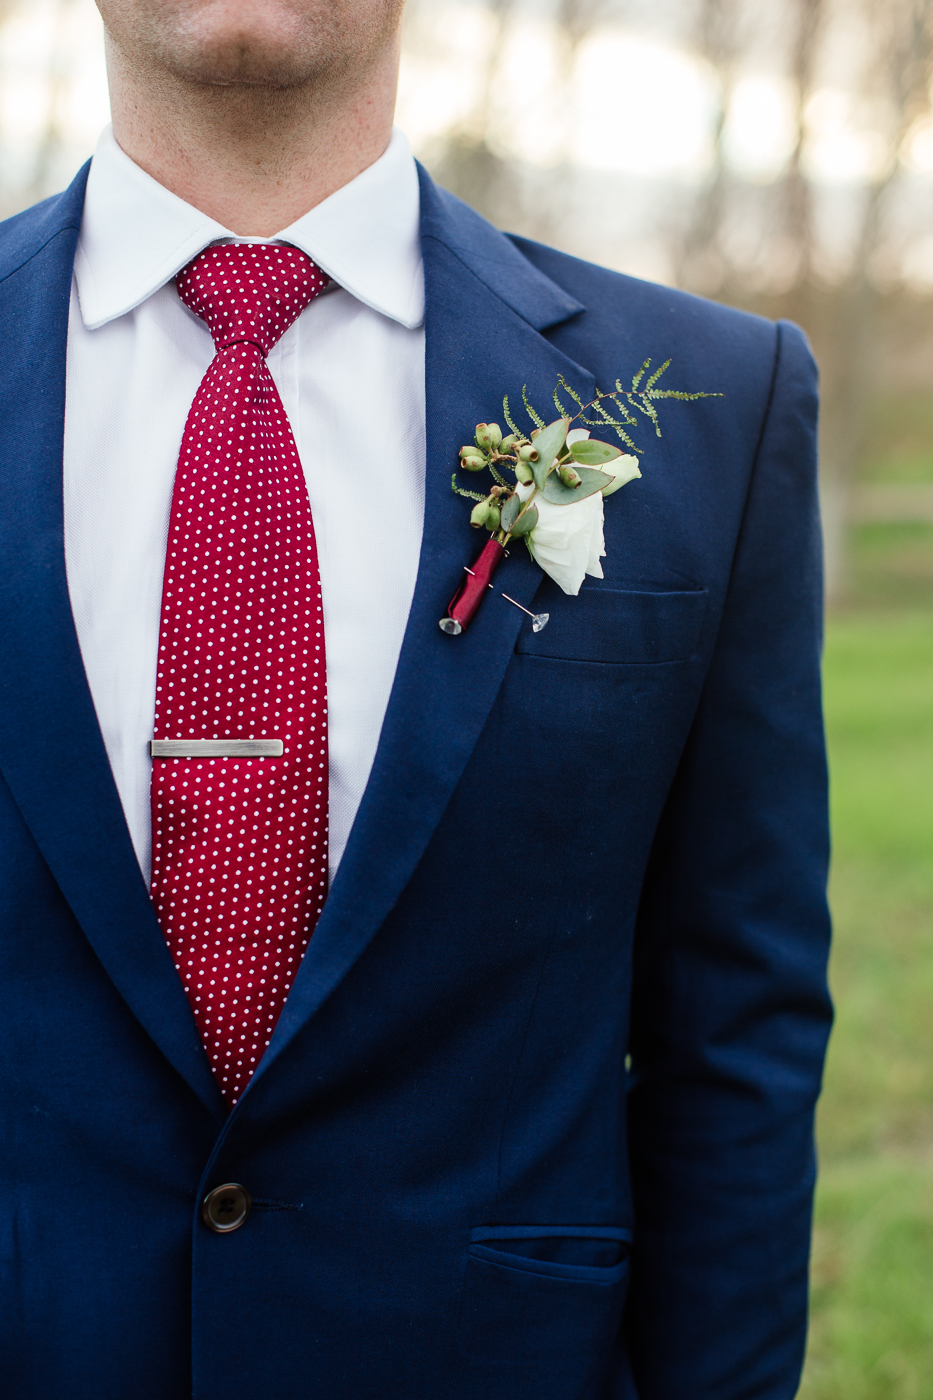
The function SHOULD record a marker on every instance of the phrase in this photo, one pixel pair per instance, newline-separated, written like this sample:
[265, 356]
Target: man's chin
[247, 61]
[246, 69]
[276, 44]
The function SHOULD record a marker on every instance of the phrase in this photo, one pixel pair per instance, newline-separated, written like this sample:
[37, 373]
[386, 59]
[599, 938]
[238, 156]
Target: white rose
[568, 540]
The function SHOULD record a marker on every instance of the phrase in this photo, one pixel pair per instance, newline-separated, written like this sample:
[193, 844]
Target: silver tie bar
[216, 748]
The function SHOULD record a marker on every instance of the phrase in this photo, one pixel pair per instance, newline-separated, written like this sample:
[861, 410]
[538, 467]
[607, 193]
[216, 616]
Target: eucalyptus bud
[493, 515]
[523, 472]
[479, 513]
[488, 436]
[528, 453]
[471, 460]
[569, 476]
[508, 444]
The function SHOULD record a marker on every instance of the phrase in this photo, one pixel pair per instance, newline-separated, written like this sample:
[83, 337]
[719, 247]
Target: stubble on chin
[272, 44]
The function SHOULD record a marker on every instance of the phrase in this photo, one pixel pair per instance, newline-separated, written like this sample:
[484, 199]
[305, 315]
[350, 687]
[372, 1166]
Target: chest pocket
[618, 626]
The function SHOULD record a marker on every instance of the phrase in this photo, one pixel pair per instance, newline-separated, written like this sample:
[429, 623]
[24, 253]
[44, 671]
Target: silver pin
[538, 620]
[216, 748]
[472, 575]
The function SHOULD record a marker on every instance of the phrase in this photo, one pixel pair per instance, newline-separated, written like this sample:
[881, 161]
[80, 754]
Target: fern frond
[618, 409]
[638, 377]
[608, 421]
[622, 407]
[535, 417]
[604, 414]
[469, 495]
[682, 395]
[562, 384]
[649, 410]
[656, 376]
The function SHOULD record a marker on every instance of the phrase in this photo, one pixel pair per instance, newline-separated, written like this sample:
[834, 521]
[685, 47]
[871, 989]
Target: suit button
[226, 1207]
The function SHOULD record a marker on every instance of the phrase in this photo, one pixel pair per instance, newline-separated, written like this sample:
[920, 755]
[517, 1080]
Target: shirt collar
[136, 235]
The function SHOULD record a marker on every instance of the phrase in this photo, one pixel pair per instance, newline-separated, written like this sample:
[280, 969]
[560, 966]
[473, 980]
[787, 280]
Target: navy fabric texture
[536, 1122]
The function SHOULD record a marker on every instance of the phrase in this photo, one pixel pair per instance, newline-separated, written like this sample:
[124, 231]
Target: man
[524, 1108]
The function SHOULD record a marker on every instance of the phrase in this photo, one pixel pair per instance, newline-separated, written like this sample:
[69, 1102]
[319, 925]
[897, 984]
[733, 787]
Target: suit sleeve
[730, 1005]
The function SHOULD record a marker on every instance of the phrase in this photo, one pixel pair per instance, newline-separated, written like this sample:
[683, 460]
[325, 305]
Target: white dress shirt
[351, 375]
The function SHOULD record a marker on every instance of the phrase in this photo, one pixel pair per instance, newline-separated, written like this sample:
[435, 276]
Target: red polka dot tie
[239, 860]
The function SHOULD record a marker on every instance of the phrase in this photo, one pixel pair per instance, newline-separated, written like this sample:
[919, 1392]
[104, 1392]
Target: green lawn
[898, 433]
[872, 1315]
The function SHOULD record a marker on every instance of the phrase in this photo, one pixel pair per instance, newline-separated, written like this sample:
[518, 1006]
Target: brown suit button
[226, 1207]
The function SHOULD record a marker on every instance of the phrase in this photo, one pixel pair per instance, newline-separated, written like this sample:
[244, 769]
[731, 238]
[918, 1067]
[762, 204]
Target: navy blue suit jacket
[536, 1122]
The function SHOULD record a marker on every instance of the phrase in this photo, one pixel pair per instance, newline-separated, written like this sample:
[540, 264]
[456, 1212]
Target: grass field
[872, 1316]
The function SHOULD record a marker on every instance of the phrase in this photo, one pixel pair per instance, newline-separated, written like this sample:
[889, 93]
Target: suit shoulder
[614, 300]
[627, 321]
[25, 234]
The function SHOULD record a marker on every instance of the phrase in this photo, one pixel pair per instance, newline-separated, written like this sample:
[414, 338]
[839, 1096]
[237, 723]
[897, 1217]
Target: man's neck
[253, 158]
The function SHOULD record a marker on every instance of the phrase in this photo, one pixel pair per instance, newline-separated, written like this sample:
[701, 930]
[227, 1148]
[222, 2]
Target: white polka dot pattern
[239, 863]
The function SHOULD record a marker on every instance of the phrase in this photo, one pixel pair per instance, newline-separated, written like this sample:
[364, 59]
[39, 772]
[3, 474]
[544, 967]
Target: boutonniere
[549, 485]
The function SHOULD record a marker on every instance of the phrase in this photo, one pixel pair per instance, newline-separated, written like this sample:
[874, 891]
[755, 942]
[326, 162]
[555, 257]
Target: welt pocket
[518, 1308]
[620, 626]
[587, 1253]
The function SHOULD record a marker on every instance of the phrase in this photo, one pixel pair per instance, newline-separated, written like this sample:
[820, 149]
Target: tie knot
[249, 291]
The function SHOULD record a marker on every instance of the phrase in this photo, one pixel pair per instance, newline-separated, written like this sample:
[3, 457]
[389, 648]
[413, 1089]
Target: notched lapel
[480, 344]
[51, 751]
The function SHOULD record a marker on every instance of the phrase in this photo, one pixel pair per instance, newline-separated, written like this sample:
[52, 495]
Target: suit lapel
[51, 751]
[485, 308]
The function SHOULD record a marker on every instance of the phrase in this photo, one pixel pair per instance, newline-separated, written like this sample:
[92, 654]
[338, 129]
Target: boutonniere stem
[472, 591]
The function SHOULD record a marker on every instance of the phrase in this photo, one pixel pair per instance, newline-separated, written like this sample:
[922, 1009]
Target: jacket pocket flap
[619, 626]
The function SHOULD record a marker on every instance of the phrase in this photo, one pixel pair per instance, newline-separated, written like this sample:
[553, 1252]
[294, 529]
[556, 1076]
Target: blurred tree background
[778, 155]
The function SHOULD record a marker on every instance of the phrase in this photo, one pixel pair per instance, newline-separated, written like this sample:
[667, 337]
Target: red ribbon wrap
[472, 590]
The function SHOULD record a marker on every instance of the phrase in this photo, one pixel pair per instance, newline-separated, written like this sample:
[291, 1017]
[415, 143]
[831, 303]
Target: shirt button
[226, 1207]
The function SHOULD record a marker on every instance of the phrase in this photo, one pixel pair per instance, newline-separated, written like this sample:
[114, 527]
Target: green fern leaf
[535, 417]
[562, 384]
[638, 377]
[622, 407]
[459, 491]
[656, 376]
[682, 395]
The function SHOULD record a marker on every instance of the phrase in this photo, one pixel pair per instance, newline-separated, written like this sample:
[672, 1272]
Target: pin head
[539, 622]
[450, 626]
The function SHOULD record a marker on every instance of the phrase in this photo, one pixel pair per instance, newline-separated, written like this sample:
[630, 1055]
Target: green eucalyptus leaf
[510, 512]
[592, 454]
[526, 522]
[590, 482]
[547, 444]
